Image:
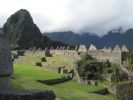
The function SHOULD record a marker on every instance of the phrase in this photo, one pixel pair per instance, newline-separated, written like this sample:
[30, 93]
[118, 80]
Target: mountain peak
[22, 31]
[23, 10]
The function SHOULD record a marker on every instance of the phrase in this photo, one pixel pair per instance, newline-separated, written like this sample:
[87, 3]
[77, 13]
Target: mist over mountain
[75, 15]
[23, 33]
[111, 39]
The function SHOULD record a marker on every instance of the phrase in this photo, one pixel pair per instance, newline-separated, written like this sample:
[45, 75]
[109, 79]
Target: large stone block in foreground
[28, 95]
[6, 67]
[5, 83]
[5, 57]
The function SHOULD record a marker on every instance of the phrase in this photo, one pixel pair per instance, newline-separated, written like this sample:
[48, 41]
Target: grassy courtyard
[26, 76]
[55, 61]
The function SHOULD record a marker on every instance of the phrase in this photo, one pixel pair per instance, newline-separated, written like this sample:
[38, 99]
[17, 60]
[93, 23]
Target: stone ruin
[82, 48]
[106, 54]
[124, 49]
[92, 47]
[123, 90]
[6, 70]
[113, 55]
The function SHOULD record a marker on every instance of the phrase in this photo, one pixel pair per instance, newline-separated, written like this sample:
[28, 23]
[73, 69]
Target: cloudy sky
[98, 16]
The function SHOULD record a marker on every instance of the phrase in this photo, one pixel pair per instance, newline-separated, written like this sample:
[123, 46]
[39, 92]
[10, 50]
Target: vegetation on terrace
[25, 77]
[55, 61]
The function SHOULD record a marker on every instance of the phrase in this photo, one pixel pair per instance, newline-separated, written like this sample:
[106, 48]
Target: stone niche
[6, 67]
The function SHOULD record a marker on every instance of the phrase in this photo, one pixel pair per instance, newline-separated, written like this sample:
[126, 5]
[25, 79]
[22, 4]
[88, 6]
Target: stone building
[106, 54]
[82, 48]
[124, 49]
[92, 47]
[117, 49]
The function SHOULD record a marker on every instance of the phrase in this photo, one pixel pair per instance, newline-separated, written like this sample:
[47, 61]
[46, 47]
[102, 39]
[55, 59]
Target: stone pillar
[68, 47]
[46, 49]
[61, 48]
[51, 48]
[6, 68]
[76, 48]
[57, 48]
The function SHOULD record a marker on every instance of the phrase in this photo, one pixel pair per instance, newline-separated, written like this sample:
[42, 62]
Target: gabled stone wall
[114, 57]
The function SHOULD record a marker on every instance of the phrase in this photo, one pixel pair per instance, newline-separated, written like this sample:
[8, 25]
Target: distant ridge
[111, 39]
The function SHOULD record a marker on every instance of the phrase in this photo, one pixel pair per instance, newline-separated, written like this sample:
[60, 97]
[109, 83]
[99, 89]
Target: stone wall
[28, 95]
[114, 57]
[54, 81]
[124, 91]
[66, 54]
[52, 69]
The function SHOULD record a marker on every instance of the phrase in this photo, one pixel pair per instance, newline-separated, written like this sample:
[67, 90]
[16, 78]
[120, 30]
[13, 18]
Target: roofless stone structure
[124, 48]
[82, 48]
[117, 49]
[92, 47]
[113, 55]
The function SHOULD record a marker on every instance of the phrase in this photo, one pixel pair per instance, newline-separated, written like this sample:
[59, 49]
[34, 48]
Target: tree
[90, 68]
[116, 76]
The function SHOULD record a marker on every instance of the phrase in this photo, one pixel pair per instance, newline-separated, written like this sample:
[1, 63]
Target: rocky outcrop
[21, 30]
[24, 33]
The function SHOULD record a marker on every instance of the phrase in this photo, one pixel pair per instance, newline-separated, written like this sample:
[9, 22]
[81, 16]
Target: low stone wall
[18, 52]
[124, 91]
[28, 95]
[54, 81]
[111, 87]
[52, 69]
[101, 92]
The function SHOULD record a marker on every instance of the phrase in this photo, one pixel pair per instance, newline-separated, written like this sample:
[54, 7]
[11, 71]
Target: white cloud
[76, 15]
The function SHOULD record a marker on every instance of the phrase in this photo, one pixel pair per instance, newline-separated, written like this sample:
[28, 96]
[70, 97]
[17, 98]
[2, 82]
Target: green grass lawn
[25, 77]
[55, 58]
[55, 61]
